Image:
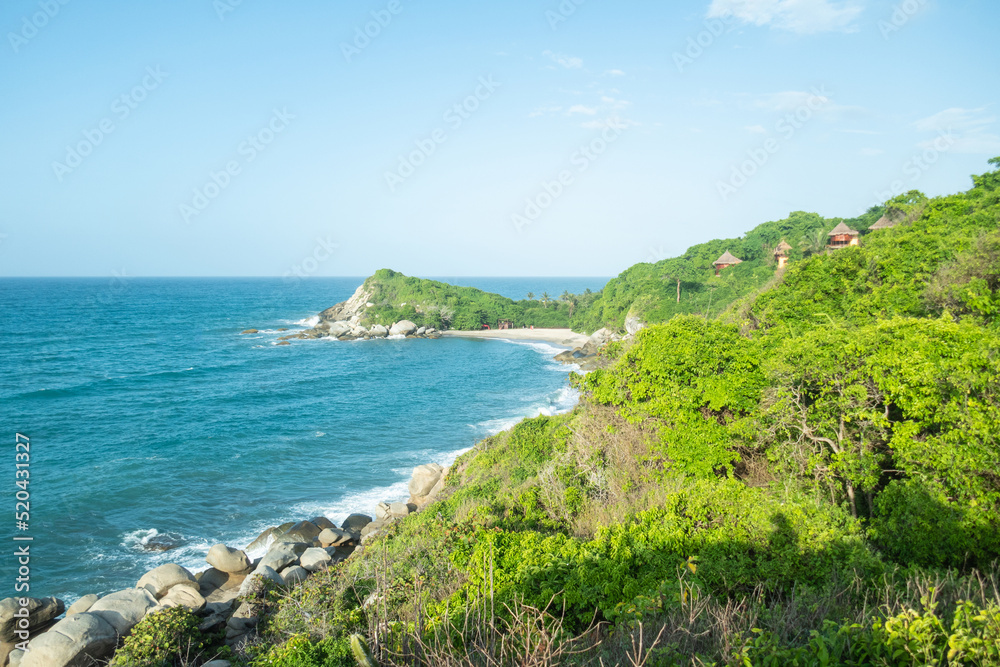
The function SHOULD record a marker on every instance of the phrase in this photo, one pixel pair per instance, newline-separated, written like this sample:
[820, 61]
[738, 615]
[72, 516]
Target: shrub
[161, 640]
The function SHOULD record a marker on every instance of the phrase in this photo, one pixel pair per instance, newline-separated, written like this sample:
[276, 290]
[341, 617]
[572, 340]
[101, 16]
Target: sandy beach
[565, 337]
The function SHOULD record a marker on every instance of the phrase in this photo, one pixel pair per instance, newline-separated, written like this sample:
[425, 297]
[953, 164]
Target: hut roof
[783, 247]
[883, 223]
[728, 258]
[842, 229]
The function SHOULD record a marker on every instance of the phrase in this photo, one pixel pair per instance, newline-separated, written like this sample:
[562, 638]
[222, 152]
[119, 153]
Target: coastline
[564, 337]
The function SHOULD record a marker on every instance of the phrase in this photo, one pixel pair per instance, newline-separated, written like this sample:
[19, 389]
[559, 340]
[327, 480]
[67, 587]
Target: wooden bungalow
[843, 236]
[505, 324]
[725, 261]
[781, 254]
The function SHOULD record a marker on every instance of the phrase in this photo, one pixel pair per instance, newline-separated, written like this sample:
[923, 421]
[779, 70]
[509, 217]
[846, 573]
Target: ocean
[155, 424]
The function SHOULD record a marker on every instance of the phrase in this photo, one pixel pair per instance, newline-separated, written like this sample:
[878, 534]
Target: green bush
[162, 639]
[301, 651]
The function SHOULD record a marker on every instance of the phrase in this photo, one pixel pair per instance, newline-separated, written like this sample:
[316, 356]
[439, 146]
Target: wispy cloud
[804, 17]
[972, 130]
[756, 129]
[610, 121]
[615, 72]
[563, 60]
[581, 108]
[544, 111]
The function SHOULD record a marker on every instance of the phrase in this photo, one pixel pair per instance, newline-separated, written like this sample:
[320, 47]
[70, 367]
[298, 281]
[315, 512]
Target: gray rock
[338, 329]
[183, 596]
[303, 531]
[322, 522]
[314, 559]
[294, 574]
[75, 641]
[355, 522]
[82, 605]
[15, 657]
[264, 573]
[420, 331]
[378, 331]
[381, 511]
[160, 580]
[399, 509]
[402, 328]
[333, 537]
[424, 478]
[223, 558]
[633, 324]
[243, 618]
[282, 554]
[38, 612]
[264, 539]
[123, 609]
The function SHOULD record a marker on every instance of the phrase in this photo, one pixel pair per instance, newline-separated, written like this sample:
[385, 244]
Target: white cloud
[542, 111]
[967, 130]
[569, 62]
[871, 152]
[581, 108]
[756, 129]
[799, 16]
[616, 72]
[610, 121]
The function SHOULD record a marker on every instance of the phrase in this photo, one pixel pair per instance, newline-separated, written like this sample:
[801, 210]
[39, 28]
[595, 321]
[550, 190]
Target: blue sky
[572, 137]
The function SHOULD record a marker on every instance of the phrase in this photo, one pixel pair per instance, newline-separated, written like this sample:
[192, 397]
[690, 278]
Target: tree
[566, 296]
[531, 296]
[814, 242]
[545, 299]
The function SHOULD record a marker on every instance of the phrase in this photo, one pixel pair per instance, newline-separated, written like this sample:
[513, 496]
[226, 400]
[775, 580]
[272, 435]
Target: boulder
[229, 560]
[381, 511]
[160, 580]
[264, 539]
[75, 641]
[183, 596]
[338, 329]
[243, 618]
[123, 609]
[424, 478]
[82, 605]
[294, 574]
[378, 331]
[303, 531]
[248, 331]
[40, 611]
[314, 559]
[633, 324]
[263, 573]
[284, 342]
[282, 554]
[402, 328]
[322, 522]
[224, 595]
[355, 522]
[333, 537]
[420, 331]
[399, 509]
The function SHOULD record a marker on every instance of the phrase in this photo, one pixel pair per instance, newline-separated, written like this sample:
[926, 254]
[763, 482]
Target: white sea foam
[308, 322]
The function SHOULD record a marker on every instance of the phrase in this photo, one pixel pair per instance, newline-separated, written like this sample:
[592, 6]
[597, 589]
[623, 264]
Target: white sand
[565, 337]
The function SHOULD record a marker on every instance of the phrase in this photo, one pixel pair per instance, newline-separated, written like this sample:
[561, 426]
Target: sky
[506, 138]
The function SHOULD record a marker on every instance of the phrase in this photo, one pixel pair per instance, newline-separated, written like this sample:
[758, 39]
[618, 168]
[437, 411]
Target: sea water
[158, 429]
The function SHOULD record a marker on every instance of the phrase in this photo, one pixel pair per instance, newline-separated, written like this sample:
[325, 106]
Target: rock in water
[402, 328]
[378, 331]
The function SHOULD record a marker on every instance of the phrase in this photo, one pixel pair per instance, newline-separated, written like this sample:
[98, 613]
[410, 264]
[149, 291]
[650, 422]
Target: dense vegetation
[808, 478]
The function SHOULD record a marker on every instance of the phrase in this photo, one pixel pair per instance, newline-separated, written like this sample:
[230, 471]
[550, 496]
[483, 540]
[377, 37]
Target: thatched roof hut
[843, 236]
[725, 260]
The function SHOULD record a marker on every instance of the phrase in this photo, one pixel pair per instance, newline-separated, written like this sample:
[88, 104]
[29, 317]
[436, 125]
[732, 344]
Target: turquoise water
[152, 420]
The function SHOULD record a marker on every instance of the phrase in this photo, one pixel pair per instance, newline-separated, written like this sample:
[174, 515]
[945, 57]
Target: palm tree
[545, 299]
[814, 242]
[566, 296]
[531, 296]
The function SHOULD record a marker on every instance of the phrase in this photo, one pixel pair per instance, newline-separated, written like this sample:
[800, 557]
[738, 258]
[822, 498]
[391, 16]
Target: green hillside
[809, 478]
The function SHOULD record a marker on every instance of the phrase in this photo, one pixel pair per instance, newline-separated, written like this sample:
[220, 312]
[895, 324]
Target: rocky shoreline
[42, 632]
